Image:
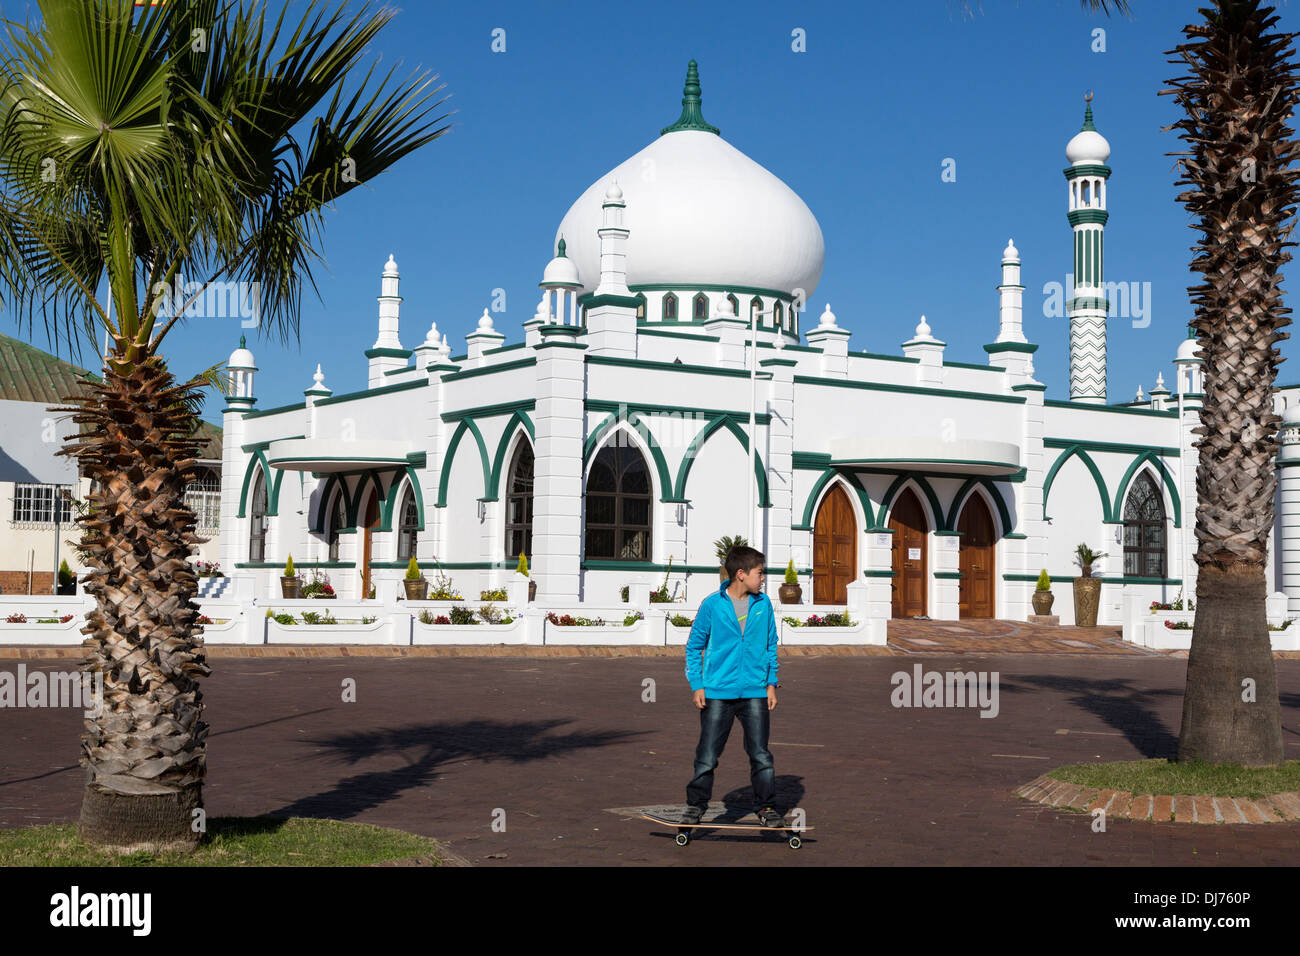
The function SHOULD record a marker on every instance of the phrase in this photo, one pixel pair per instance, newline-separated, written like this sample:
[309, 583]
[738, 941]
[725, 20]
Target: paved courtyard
[445, 745]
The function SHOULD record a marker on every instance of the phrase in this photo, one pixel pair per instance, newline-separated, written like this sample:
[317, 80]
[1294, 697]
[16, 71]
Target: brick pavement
[445, 745]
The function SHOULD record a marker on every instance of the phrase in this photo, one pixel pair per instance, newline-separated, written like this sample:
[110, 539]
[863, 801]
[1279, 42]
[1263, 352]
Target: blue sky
[859, 126]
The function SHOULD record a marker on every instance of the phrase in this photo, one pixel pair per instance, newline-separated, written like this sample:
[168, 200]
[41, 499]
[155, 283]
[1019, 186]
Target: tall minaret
[1087, 175]
[387, 354]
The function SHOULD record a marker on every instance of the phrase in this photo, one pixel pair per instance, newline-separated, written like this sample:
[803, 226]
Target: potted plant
[1043, 596]
[289, 583]
[660, 596]
[318, 587]
[1087, 589]
[522, 568]
[723, 545]
[416, 586]
[791, 592]
[67, 580]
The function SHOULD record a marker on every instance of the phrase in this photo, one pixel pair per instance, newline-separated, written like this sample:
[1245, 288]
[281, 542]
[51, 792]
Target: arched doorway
[975, 590]
[370, 524]
[835, 552]
[910, 528]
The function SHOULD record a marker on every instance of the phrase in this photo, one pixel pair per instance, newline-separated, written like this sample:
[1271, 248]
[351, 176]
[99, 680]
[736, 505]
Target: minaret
[611, 309]
[387, 353]
[1087, 307]
[1012, 351]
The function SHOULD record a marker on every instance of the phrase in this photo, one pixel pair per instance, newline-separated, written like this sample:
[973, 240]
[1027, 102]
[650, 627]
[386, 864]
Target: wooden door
[908, 523]
[370, 524]
[975, 593]
[835, 551]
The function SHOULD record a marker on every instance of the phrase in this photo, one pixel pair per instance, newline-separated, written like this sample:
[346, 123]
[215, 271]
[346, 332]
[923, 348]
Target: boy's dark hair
[742, 558]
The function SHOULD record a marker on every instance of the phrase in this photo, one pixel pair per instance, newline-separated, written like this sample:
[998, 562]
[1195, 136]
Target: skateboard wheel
[682, 839]
[795, 843]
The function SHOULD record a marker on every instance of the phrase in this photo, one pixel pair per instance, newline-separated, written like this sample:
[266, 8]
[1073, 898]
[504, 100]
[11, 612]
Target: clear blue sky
[859, 125]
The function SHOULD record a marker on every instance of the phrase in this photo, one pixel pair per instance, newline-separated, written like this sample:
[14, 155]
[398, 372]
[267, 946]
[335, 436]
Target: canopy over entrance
[325, 455]
[914, 453]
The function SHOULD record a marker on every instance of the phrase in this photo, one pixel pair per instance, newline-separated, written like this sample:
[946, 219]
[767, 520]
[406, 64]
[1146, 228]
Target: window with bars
[618, 504]
[203, 497]
[1144, 530]
[35, 504]
[519, 503]
[409, 527]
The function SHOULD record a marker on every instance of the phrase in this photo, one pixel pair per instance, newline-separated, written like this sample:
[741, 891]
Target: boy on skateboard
[732, 670]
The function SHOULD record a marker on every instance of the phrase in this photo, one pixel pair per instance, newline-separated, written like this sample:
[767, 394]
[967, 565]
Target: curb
[1162, 808]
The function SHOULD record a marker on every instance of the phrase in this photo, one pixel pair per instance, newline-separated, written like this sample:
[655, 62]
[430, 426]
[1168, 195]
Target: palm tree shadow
[1119, 704]
[426, 748]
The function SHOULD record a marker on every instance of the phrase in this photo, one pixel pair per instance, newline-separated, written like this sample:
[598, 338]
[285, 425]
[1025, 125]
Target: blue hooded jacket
[722, 661]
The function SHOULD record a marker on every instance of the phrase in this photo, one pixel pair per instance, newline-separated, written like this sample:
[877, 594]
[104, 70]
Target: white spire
[485, 322]
[923, 329]
[1140, 396]
[827, 319]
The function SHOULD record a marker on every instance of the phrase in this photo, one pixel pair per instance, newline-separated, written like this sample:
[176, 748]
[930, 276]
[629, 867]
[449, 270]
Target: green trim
[728, 422]
[327, 492]
[668, 366]
[272, 485]
[603, 405]
[489, 369]
[385, 390]
[453, 565]
[823, 481]
[487, 411]
[854, 462]
[609, 564]
[1118, 509]
[737, 290]
[1028, 388]
[947, 534]
[569, 331]
[643, 328]
[936, 510]
[1101, 446]
[1071, 578]
[402, 371]
[373, 478]
[390, 503]
[910, 389]
[505, 348]
[259, 565]
[1082, 302]
[388, 353]
[517, 420]
[978, 368]
[597, 437]
[947, 575]
[878, 574]
[581, 346]
[466, 424]
[263, 412]
[1287, 464]
[622, 301]
[810, 461]
[1087, 169]
[1083, 216]
[1091, 465]
[788, 363]
[1011, 347]
[959, 499]
[1019, 536]
[1083, 406]
[884, 358]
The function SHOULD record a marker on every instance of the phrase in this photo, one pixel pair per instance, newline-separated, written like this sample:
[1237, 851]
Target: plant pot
[1087, 598]
[416, 590]
[790, 593]
[289, 587]
[1043, 602]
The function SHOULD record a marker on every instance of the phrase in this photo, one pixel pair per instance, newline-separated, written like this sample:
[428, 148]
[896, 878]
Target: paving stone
[1183, 809]
[1162, 807]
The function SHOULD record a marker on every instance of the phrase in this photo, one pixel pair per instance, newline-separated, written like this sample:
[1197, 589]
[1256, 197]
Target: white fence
[1151, 628]
[239, 618]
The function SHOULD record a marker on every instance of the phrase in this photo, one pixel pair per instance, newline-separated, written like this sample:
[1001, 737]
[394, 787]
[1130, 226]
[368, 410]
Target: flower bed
[446, 632]
[568, 629]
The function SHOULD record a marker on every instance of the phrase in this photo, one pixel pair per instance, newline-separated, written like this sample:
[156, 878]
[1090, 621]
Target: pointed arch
[1106, 512]
[466, 425]
[822, 486]
[700, 307]
[926, 493]
[634, 425]
[519, 422]
[668, 310]
[994, 498]
[333, 485]
[688, 459]
[1160, 475]
[272, 485]
[356, 515]
[402, 480]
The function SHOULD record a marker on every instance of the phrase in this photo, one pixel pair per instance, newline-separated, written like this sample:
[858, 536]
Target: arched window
[735, 305]
[670, 308]
[519, 503]
[755, 307]
[408, 527]
[335, 526]
[618, 504]
[778, 315]
[1144, 530]
[257, 520]
[640, 306]
[203, 497]
[701, 307]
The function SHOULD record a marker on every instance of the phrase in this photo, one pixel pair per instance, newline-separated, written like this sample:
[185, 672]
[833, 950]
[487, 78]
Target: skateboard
[684, 829]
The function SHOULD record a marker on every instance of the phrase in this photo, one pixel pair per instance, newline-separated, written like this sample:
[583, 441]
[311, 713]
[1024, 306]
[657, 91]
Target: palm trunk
[144, 750]
[1238, 101]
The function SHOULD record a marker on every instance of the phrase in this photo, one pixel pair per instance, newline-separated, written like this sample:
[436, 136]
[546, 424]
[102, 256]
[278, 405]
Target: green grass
[1162, 777]
[230, 841]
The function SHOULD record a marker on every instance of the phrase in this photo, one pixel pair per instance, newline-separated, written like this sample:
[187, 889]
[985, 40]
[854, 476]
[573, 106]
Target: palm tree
[197, 138]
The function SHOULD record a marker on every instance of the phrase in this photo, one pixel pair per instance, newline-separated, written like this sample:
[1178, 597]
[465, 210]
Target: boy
[731, 666]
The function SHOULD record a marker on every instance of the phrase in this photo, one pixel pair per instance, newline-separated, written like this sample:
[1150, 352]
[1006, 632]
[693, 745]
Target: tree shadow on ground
[428, 747]
[1120, 704]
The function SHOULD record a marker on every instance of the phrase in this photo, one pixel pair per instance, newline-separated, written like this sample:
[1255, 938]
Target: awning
[326, 455]
[914, 453]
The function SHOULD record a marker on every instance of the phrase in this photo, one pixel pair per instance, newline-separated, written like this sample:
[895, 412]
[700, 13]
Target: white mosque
[612, 445]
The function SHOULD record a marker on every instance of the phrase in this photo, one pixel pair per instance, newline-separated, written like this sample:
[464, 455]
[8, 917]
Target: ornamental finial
[691, 117]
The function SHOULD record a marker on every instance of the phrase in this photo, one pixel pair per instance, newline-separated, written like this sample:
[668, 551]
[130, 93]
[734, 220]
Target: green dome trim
[691, 117]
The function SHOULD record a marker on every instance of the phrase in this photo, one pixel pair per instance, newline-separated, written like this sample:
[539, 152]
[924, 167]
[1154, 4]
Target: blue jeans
[715, 727]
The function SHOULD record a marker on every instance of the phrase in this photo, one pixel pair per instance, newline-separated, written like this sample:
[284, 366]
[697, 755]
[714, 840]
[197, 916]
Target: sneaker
[692, 814]
[769, 817]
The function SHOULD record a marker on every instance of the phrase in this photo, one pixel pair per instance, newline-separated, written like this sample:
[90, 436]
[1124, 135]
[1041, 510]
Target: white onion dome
[827, 319]
[1011, 252]
[390, 267]
[1187, 351]
[561, 270]
[1291, 416]
[485, 322]
[241, 358]
[1088, 146]
[614, 193]
[699, 211]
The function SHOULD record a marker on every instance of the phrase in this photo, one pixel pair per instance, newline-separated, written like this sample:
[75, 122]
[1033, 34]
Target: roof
[28, 374]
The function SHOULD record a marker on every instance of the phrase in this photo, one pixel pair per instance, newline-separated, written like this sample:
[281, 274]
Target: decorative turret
[1160, 394]
[241, 369]
[1011, 351]
[387, 354]
[481, 339]
[561, 281]
[1087, 174]
[1190, 367]
[613, 245]
[928, 350]
[318, 389]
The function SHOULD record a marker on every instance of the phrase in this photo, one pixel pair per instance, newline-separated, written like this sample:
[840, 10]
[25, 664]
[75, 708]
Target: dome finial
[242, 343]
[1087, 113]
[559, 254]
[691, 117]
